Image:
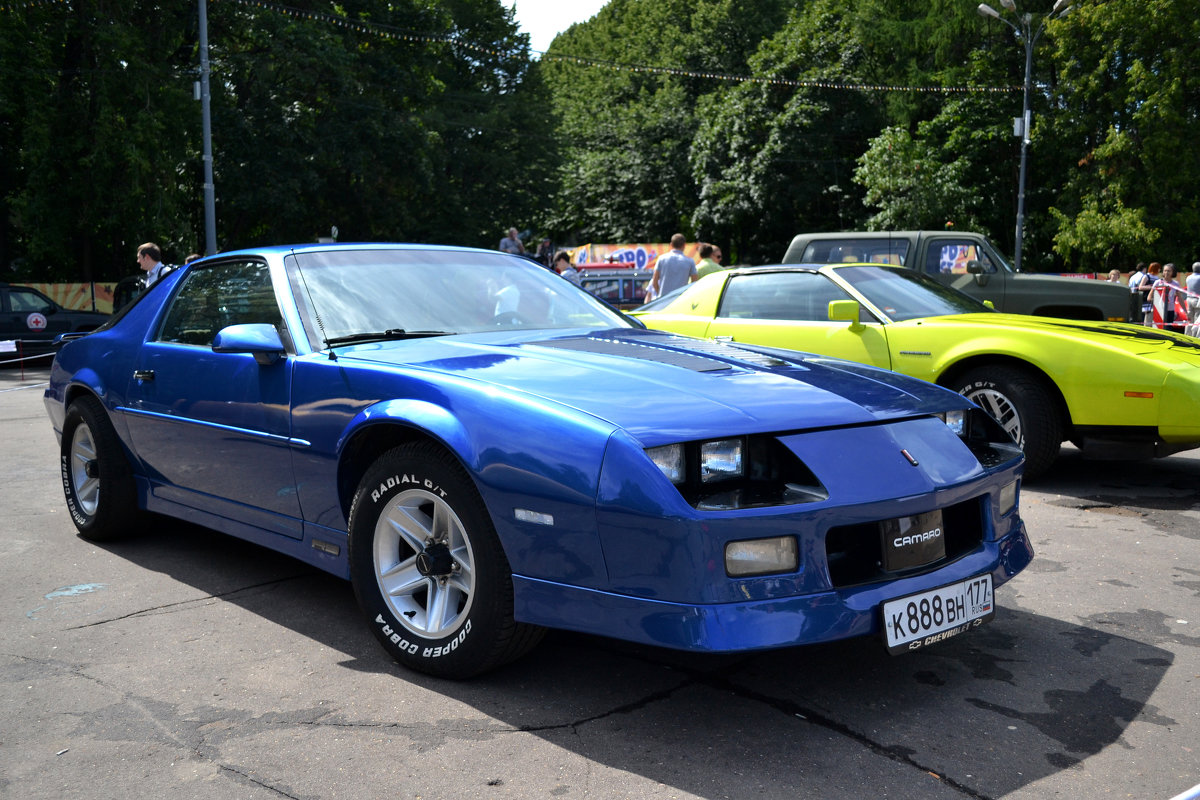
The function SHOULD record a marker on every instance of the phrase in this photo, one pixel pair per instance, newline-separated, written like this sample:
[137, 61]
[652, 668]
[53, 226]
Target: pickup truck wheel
[1023, 406]
[428, 569]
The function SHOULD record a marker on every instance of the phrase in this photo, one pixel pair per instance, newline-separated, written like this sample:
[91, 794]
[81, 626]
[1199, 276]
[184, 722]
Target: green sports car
[1117, 391]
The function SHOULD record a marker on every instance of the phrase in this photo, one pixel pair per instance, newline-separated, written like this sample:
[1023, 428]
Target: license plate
[922, 619]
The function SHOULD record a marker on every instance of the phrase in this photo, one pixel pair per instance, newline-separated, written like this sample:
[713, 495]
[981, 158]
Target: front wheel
[1023, 407]
[97, 481]
[428, 569]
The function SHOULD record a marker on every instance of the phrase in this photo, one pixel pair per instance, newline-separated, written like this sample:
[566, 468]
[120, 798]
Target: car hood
[660, 386]
[1135, 339]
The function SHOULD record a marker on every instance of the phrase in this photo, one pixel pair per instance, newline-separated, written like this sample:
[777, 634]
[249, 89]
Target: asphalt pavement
[183, 663]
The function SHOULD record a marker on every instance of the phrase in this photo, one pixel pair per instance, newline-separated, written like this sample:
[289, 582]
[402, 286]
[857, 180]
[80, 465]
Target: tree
[1130, 78]
[628, 113]
[94, 105]
[390, 120]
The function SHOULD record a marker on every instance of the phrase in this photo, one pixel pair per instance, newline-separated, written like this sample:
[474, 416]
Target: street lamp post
[210, 212]
[1028, 35]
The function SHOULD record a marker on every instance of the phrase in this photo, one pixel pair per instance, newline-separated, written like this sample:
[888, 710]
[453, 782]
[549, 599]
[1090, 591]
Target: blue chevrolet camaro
[486, 450]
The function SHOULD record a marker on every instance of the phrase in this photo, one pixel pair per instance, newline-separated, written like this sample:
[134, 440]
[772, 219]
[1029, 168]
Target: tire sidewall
[115, 500]
[71, 424]
[461, 652]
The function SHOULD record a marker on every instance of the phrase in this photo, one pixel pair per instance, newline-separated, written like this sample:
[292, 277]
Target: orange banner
[78, 296]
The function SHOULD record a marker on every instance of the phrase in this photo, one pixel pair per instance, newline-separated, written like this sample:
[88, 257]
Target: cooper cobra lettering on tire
[1023, 406]
[428, 569]
[97, 481]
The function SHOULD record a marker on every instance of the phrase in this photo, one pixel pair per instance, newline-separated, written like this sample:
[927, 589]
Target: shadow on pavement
[985, 713]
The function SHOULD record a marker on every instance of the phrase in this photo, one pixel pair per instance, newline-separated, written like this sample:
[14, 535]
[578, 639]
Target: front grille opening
[855, 552]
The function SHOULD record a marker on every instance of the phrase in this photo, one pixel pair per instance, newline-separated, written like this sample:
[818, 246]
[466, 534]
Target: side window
[950, 257]
[215, 297]
[27, 300]
[797, 296]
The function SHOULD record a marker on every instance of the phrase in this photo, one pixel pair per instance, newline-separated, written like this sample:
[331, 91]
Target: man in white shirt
[149, 258]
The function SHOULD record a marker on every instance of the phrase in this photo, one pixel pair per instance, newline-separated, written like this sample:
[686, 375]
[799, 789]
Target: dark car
[485, 449]
[32, 320]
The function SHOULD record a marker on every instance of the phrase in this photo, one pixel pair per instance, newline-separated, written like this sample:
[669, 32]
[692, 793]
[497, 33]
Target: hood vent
[694, 354]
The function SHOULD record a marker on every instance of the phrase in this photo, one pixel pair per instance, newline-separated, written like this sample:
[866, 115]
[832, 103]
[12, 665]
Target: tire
[428, 569]
[97, 480]
[1023, 407]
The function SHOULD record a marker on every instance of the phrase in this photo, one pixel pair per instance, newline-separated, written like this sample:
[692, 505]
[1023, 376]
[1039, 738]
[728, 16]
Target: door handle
[143, 374]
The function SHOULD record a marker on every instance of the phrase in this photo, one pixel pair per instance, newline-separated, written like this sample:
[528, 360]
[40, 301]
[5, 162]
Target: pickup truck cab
[970, 263]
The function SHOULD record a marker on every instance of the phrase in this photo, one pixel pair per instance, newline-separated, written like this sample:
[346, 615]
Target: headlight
[720, 460]
[955, 421]
[990, 443]
[743, 472]
[669, 459]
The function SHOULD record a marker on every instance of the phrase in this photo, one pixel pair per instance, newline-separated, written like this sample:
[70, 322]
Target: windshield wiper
[383, 336]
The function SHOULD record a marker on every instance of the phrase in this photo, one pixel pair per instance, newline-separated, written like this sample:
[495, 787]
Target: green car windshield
[903, 294]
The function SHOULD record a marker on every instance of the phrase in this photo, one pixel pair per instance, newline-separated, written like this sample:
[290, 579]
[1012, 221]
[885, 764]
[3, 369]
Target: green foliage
[626, 135]
[427, 120]
[1130, 75]
[322, 117]
[1103, 234]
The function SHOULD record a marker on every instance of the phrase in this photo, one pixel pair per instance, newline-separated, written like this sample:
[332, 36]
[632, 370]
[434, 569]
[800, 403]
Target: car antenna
[316, 314]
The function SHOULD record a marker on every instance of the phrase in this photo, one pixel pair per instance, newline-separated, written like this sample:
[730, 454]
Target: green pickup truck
[971, 264]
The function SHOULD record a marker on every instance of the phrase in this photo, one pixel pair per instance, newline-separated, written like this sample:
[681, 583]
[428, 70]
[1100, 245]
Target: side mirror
[975, 267]
[259, 339]
[845, 311]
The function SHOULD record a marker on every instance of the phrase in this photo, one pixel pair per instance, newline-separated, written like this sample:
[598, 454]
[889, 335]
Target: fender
[421, 415]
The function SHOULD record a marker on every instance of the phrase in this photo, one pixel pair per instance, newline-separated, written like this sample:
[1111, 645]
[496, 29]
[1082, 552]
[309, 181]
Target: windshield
[902, 294]
[356, 295]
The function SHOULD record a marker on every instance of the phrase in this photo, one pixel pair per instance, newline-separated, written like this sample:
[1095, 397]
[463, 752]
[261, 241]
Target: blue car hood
[659, 386]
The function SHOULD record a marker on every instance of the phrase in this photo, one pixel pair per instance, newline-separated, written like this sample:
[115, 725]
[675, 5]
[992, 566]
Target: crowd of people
[1167, 303]
[671, 270]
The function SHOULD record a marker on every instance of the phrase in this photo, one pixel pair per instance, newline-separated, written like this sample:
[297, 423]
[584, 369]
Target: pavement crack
[627, 708]
[184, 604]
[793, 709]
[250, 778]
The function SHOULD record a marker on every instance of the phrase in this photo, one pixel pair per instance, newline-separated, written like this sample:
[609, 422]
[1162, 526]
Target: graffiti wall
[640, 256]
[78, 296]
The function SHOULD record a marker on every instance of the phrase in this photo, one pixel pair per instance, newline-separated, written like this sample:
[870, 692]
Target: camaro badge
[910, 458]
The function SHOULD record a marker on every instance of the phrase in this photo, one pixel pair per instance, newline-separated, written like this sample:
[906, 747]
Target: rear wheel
[1023, 406]
[97, 481]
[428, 569]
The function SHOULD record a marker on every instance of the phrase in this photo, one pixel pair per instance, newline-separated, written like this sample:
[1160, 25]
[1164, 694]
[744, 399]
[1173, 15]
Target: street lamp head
[1009, 4]
[1061, 8]
[987, 11]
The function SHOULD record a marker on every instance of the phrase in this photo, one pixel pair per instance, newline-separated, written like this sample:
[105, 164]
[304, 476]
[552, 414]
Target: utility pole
[1027, 35]
[210, 206]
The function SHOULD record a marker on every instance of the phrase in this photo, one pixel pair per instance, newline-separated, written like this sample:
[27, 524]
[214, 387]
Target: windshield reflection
[344, 293]
[903, 294]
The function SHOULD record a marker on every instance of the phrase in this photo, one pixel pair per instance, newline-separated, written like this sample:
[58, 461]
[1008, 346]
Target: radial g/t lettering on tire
[428, 569]
[97, 481]
[1023, 406]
